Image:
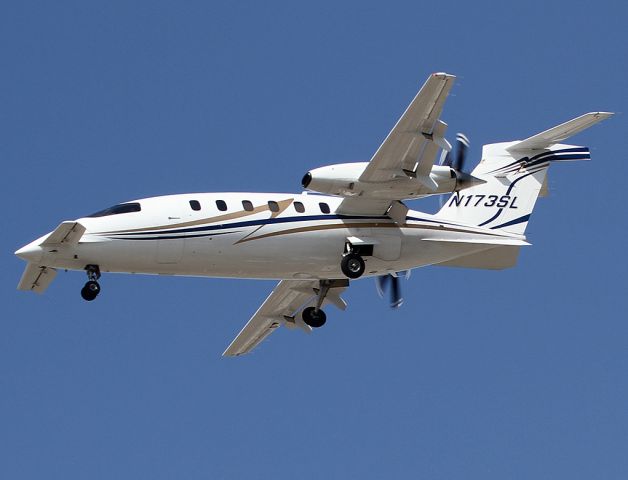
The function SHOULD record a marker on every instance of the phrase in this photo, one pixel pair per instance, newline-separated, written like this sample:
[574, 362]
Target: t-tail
[516, 175]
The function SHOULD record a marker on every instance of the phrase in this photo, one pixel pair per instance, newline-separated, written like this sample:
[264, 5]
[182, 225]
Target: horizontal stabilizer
[68, 233]
[559, 133]
[482, 241]
[36, 278]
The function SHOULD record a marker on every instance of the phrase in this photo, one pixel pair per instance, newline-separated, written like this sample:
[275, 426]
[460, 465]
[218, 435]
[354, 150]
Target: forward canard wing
[37, 277]
[67, 233]
[282, 307]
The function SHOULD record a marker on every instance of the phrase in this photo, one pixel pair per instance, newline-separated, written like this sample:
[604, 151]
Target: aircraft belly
[272, 253]
[169, 251]
[388, 246]
[306, 255]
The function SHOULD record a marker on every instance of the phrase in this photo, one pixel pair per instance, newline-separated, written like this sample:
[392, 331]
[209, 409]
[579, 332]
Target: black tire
[314, 318]
[352, 265]
[90, 291]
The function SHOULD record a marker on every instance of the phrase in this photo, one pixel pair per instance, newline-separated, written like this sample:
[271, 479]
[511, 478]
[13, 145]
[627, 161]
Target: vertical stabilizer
[515, 175]
[514, 181]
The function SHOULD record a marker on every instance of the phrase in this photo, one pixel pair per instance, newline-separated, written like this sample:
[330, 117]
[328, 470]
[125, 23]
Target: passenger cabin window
[298, 206]
[118, 209]
[222, 206]
[273, 206]
[247, 205]
[324, 207]
[195, 205]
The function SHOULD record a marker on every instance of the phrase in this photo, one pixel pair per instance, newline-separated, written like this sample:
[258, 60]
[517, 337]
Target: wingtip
[601, 114]
[443, 75]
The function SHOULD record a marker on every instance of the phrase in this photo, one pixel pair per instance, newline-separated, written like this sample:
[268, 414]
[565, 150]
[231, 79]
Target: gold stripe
[283, 205]
[336, 226]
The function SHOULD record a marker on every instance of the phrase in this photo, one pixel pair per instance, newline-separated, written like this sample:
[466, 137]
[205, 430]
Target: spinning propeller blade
[457, 161]
[382, 282]
[459, 158]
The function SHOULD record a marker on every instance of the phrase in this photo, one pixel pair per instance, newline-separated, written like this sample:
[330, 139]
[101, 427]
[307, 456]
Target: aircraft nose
[31, 252]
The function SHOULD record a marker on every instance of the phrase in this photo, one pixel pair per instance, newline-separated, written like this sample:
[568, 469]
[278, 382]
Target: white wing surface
[36, 278]
[559, 133]
[282, 307]
[68, 233]
[414, 142]
[408, 152]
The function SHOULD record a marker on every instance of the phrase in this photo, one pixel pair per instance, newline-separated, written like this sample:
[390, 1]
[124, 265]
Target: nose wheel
[92, 288]
[90, 291]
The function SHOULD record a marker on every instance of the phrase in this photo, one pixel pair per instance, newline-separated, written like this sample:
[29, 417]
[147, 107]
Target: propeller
[458, 161]
[383, 282]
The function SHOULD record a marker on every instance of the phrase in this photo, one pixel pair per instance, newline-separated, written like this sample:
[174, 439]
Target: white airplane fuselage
[223, 237]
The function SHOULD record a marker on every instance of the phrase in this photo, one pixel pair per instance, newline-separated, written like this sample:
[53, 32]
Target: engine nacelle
[342, 179]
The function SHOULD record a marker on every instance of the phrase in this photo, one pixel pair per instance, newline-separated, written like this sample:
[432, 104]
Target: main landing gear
[92, 288]
[314, 316]
[352, 263]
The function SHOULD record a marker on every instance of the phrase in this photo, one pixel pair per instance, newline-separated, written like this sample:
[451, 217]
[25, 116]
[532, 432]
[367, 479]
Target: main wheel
[314, 318]
[352, 265]
[90, 291]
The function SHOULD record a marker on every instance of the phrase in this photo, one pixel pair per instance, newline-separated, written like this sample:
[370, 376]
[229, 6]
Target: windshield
[118, 209]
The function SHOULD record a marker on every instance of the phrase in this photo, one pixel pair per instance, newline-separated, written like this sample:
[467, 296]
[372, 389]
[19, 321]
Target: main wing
[412, 145]
[282, 307]
[410, 149]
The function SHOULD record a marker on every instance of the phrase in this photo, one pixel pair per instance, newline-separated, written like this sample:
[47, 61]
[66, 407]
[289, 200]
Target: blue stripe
[525, 218]
[499, 212]
[558, 158]
[210, 231]
[253, 223]
[170, 237]
[526, 160]
[273, 221]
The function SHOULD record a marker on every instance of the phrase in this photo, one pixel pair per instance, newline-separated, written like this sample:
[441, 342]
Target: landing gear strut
[314, 316]
[92, 288]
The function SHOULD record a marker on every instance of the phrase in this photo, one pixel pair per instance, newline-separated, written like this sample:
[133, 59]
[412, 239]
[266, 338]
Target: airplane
[350, 223]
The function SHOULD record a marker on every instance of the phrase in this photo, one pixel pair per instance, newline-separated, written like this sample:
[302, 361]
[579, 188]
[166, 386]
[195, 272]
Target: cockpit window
[118, 209]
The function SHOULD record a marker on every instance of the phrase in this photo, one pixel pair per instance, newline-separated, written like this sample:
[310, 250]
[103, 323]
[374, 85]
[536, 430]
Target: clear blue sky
[514, 374]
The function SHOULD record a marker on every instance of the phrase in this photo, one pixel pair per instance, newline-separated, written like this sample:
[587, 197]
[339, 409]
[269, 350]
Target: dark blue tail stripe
[523, 219]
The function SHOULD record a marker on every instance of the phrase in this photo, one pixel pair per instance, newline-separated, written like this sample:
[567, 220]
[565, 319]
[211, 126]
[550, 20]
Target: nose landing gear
[92, 288]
